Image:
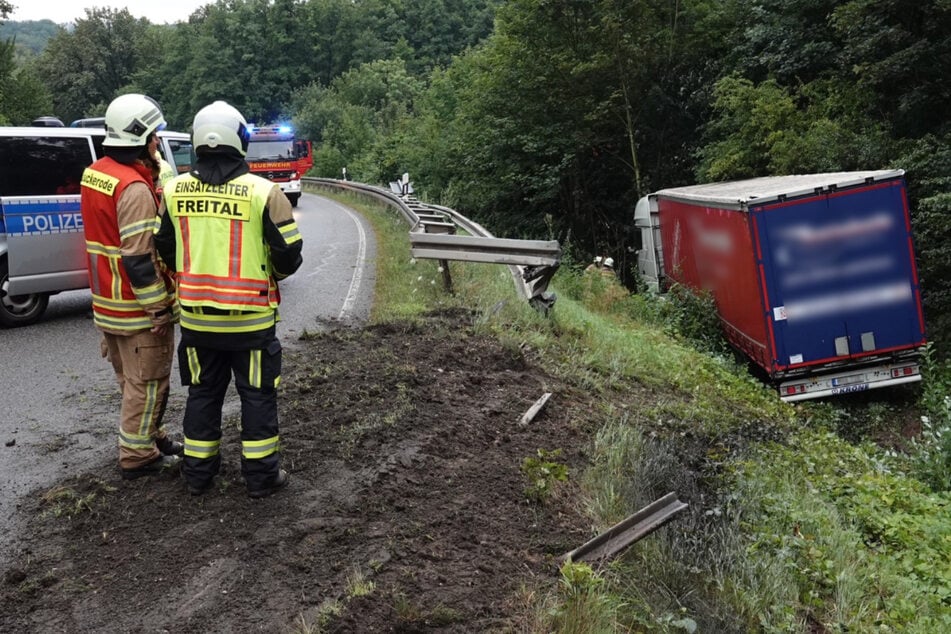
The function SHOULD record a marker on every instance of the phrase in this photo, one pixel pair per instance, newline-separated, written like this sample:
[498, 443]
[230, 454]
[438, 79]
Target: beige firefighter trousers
[142, 363]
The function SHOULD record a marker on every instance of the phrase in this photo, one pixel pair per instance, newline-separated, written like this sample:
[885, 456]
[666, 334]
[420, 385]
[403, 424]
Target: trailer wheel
[293, 198]
[18, 310]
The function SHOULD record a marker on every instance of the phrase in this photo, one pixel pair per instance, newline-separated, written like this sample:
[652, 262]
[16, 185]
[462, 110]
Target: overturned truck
[813, 276]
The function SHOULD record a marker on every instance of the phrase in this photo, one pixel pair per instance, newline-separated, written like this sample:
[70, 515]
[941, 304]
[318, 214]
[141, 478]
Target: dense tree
[257, 53]
[253, 53]
[563, 108]
[901, 51]
[435, 30]
[31, 36]
[928, 164]
[347, 118]
[791, 41]
[768, 129]
[425, 144]
[87, 67]
[22, 97]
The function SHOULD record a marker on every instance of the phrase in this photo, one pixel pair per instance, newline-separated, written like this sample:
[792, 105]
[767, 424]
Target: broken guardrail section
[540, 258]
[624, 533]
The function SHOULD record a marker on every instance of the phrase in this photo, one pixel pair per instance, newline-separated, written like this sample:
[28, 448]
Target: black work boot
[155, 467]
[169, 447]
[277, 484]
[199, 490]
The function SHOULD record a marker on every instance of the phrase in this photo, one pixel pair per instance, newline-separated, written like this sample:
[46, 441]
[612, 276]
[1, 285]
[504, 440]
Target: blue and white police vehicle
[42, 247]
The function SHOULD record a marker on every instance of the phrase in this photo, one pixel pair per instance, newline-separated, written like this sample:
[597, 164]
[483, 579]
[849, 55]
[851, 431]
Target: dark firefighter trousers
[207, 372]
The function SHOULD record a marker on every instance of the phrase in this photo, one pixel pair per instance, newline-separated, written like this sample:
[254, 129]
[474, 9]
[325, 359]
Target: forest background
[542, 118]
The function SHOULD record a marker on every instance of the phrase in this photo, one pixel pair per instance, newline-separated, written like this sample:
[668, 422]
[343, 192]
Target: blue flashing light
[284, 129]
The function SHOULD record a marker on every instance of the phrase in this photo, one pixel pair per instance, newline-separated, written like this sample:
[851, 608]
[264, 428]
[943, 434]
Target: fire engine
[275, 154]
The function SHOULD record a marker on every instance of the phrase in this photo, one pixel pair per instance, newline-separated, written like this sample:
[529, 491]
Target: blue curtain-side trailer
[813, 276]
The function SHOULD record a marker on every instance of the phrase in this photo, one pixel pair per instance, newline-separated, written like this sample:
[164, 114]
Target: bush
[931, 452]
[693, 316]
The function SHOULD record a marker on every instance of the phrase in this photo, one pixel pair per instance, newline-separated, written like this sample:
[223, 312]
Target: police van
[42, 247]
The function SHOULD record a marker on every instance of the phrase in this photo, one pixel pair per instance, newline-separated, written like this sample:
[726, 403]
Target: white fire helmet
[609, 262]
[130, 119]
[220, 125]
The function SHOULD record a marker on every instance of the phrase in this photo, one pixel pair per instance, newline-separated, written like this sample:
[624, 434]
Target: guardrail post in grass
[436, 225]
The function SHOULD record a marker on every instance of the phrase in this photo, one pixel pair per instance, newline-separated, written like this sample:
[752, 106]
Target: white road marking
[357, 277]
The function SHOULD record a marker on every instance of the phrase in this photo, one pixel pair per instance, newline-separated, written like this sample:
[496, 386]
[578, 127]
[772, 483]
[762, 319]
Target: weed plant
[543, 472]
[931, 453]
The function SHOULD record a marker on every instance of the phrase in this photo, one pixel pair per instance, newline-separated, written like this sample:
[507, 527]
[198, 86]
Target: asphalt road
[59, 400]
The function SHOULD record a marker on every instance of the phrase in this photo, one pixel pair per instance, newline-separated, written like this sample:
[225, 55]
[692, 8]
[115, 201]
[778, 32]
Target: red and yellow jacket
[130, 292]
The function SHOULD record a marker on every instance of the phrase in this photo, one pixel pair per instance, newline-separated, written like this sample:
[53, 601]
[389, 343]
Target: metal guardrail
[624, 533]
[433, 235]
[381, 195]
[443, 246]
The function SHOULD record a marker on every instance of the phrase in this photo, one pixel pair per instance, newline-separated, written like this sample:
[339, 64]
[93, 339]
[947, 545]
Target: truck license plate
[848, 389]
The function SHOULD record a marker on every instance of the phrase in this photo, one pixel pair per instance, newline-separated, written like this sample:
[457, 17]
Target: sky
[62, 11]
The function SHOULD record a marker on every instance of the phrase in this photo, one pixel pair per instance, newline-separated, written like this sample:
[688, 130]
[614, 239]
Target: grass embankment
[791, 527]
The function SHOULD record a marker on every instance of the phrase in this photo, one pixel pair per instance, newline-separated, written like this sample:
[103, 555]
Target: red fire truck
[278, 156]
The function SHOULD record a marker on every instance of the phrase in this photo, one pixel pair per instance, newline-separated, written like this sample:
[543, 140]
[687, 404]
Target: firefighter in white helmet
[229, 235]
[132, 298]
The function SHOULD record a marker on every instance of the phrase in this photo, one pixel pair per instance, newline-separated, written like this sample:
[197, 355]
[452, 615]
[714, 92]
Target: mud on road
[407, 507]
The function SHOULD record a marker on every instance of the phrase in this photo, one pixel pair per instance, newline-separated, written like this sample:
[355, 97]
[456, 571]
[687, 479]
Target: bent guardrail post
[536, 281]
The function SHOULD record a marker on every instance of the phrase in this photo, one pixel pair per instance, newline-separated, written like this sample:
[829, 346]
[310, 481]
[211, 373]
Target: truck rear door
[839, 275]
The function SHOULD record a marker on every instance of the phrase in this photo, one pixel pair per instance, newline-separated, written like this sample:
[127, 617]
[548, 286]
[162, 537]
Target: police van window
[42, 166]
[181, 155]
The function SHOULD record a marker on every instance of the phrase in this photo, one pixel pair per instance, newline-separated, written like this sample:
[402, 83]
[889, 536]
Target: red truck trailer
[813, 276]
[275, 153]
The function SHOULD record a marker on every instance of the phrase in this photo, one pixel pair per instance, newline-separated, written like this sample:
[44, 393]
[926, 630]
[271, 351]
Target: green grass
[792, 527]
[865, 547]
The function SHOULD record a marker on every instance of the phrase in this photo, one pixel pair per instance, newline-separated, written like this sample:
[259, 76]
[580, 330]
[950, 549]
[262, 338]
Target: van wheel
[18, 310]
[293, 198]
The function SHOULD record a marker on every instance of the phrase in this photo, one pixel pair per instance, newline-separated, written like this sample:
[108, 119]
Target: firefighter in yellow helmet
[229, 236]
[132, 299]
